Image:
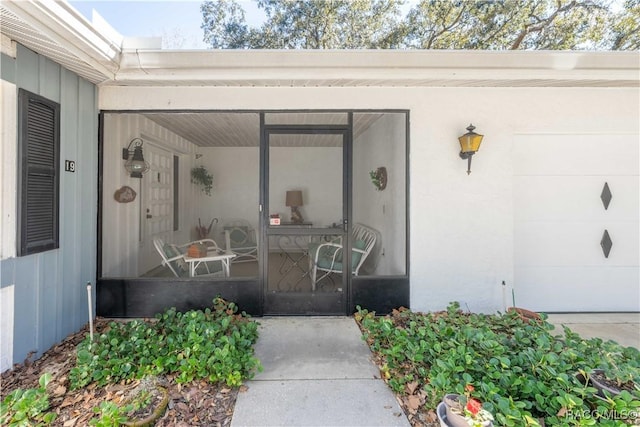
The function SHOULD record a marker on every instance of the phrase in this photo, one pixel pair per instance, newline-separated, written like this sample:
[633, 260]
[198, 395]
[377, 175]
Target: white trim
[7, 305]
[8, 171]
[7, 46]
[64, 25]
[379, 68]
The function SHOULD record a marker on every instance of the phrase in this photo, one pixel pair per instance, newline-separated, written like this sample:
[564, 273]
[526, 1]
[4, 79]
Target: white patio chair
[240, 239]
[326, 258]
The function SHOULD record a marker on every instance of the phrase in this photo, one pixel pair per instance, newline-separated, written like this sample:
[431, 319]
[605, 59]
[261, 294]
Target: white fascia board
[59, 21]
[8, 46]
[377, 65]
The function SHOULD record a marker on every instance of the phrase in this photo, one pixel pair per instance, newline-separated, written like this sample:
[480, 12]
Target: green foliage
[429, 24]
[214, 344]
[110, 415]
[224, 24]
[27, 407]
[201, 176]
[309, 24]
[615, 365]
[520, 370]
[506, 24]
[624, 28]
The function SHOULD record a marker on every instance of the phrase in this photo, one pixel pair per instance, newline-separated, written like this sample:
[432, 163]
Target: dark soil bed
[600, 378]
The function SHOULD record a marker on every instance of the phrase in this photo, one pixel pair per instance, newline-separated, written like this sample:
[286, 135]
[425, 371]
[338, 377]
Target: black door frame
[304, 303]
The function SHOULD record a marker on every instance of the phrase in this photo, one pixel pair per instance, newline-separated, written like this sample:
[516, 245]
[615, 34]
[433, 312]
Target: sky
[178, 20]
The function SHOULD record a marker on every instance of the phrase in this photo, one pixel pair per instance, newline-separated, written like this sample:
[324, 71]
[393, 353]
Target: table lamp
[294, 201]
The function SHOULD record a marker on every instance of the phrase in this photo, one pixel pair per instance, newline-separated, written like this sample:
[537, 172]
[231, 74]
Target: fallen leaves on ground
[413, 402]
[194, 404]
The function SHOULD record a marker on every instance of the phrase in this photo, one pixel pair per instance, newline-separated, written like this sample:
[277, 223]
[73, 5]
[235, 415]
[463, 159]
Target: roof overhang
[56, 30]
[333, 68]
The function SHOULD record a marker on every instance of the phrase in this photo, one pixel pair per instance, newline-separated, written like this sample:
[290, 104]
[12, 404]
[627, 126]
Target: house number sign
[69, 165]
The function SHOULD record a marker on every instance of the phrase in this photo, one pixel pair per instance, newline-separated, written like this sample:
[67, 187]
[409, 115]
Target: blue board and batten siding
[50, 296]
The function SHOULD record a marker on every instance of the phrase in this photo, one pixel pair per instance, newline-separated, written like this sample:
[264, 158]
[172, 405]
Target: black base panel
[146, 297]
[380, 294]
[310, 304]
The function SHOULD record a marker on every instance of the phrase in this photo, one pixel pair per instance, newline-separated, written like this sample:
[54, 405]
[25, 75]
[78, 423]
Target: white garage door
[560, 220]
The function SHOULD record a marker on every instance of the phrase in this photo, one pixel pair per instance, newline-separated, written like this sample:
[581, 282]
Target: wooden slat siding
[50, 298]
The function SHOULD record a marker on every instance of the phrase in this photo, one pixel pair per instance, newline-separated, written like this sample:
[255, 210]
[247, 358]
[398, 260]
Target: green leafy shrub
[110, 415]
[27, 407]
[214, 344]
[520, 370]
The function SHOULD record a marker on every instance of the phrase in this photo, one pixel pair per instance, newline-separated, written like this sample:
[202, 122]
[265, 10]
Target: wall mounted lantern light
[135, 163]
[469, 144]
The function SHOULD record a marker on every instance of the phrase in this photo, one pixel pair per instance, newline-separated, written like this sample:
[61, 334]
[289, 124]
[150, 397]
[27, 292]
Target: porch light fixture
[469, 145]
[294, 201]
[135, 163]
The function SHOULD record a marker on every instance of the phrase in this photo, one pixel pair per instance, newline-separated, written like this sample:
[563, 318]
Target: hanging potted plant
[379, 178]
[201, 176]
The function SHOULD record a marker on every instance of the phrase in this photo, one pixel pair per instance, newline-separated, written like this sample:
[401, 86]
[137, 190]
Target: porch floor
[284, 274]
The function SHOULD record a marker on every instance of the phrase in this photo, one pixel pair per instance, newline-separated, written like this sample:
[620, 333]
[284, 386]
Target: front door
[305, 219]
[157, 204]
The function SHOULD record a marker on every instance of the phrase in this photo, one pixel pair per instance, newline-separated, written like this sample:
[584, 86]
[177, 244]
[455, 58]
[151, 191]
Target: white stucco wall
[236, 183]
[317, 172]
[235, 192]
[383, 144]
[462, 227]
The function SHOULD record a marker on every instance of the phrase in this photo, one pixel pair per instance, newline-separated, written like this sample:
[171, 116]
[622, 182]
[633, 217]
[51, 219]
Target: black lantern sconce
[469, 145]
[135, 163]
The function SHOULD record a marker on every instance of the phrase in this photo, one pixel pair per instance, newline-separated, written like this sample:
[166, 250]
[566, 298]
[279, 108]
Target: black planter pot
[595, 378]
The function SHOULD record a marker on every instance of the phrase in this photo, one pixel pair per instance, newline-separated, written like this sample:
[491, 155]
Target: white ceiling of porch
[239, 129]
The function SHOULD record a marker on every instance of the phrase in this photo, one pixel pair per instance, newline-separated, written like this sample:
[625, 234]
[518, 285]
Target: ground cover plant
[523, 373]
[27, 407]
[199, 358]
[216, 344]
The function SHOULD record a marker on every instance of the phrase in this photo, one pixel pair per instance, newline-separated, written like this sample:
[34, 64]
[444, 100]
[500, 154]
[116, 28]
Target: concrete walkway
[317, 372]
[623, 328]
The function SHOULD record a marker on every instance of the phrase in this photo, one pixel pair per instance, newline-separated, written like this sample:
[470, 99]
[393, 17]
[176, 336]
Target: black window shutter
[39, 170]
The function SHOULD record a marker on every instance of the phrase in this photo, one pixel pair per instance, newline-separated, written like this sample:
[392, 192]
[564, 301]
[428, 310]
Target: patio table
[215, 255]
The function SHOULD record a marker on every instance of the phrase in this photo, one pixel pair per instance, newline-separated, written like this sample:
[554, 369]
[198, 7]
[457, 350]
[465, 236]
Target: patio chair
[240, 239]
[173, 257]
[326, 258]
